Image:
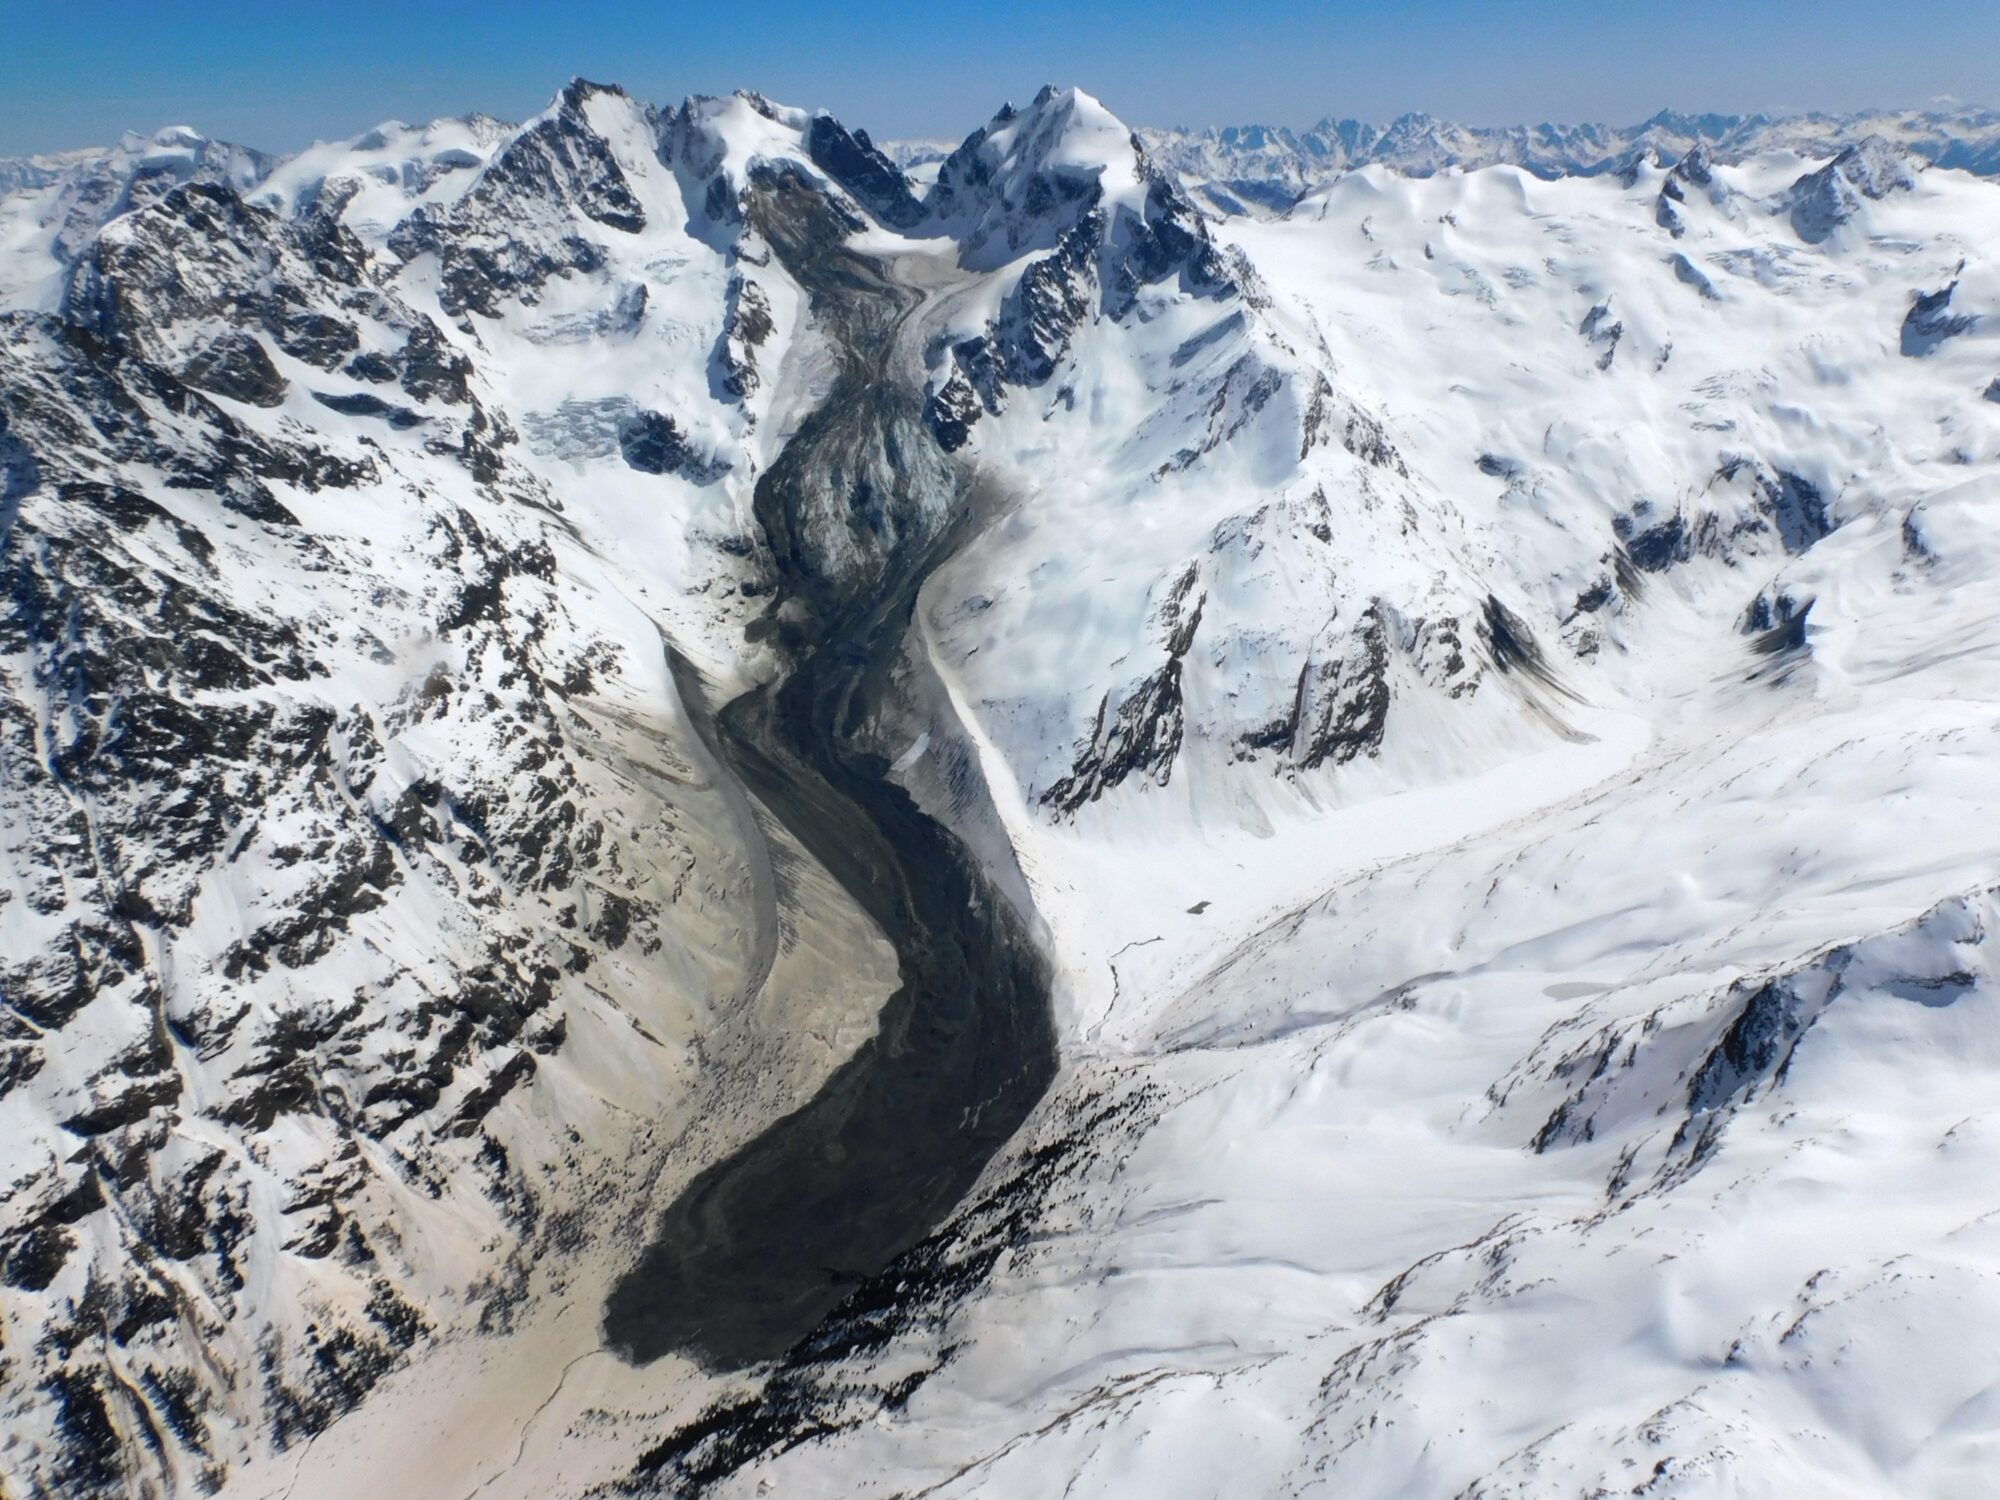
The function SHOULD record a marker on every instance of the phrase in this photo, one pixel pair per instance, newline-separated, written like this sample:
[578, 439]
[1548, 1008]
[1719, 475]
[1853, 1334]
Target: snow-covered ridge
[1232, 169]
[1262, 169]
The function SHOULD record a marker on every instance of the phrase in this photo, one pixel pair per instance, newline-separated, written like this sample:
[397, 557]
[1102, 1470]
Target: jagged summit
[1708, 126]
[1025, 177]
[580, 90]
[851, 159]
[1869, 170]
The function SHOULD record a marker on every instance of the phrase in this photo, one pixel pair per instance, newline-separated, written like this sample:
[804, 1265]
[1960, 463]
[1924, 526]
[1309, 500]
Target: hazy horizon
[1937, 105]
[279, 81]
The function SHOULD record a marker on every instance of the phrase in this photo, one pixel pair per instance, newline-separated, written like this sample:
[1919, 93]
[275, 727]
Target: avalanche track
[764, 1245]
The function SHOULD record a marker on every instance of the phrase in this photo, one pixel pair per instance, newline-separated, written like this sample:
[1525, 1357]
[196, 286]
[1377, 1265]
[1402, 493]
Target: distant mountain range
[1263, 169]
[1259, 170]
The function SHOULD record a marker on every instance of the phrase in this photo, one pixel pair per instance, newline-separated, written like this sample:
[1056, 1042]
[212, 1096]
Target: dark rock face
[1930, 321]
[1601, 329]
[1757, 1044]
[652, 444]
[431, 369]
[852, 161]
[1143, 735]
[965, 175]
[1687, 273]
[1095, 259]
[1167, 241]
[1031, 334]
[513, 231]
[361, 404]
[976, 384]
[1341, 706]
[1696, 171]
[376, 369]
[1328, 416]
[1795, 507]
[1777, 624]
[236, 365]
[1344, 699]
[1511, 644]
[1341, 703]
[1783, 506]
[200, 255]
[202, 267]
[1697, 168]
[1053, 295]
[951, 410]
[1664, 543]
[1247, 386]
[1824, 200]
[746, 325]
[1757, 1033]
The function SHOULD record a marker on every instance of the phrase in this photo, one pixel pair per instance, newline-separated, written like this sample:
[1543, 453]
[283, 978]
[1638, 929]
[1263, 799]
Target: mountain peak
[580, 91]
[1067, 129]
[1876, 166]
[1026, 175]
[1870, 168]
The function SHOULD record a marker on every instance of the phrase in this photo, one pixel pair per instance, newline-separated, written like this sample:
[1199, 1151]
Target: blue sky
[279, 74]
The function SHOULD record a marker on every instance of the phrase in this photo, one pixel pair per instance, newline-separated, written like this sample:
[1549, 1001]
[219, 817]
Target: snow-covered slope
[1481, 688]
[1601, 1121]
[50, 206]
[1261, 169]
[372, 902]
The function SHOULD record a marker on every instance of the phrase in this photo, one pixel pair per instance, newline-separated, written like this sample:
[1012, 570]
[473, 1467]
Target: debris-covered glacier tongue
[860, 506]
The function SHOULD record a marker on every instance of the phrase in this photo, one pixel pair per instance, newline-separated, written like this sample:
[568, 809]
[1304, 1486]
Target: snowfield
[1486, 686]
